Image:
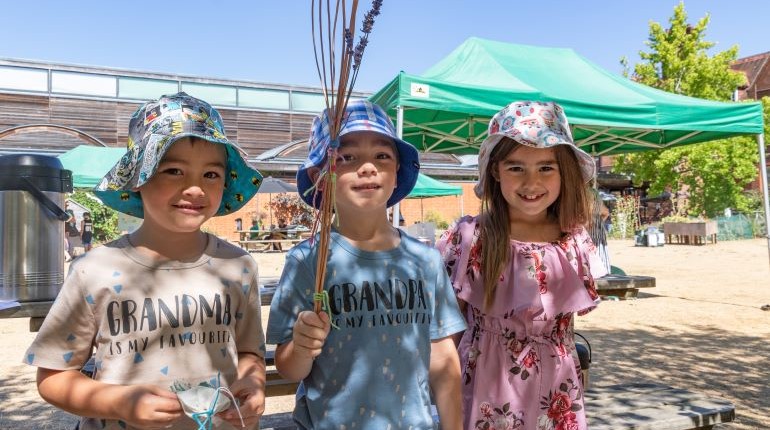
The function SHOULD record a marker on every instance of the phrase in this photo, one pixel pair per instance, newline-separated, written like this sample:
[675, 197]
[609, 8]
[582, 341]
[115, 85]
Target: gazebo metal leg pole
[766, 199]
[400, 134]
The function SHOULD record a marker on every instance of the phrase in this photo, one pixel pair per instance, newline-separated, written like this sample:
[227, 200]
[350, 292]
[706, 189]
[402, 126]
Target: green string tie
[323, 297]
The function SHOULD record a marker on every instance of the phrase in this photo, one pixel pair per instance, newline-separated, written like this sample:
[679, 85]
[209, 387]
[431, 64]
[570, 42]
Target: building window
[308, 102]
[84, 84]
[16, 78]
[145, 89]
[263, 98]
[213, 94]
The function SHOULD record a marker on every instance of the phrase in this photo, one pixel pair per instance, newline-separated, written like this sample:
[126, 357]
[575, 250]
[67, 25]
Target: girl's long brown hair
[571, 209]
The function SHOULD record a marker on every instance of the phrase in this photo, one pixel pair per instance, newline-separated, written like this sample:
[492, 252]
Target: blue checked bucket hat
[153, 128]
[360, 115]
[535, 124]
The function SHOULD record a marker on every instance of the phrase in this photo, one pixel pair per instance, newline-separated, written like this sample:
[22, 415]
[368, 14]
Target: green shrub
[625, 217]
[436, 218]
[105, 219]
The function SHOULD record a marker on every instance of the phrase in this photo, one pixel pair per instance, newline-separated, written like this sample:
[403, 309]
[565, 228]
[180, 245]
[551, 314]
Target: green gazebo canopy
[447, 109]
[90, 163]
[429, 187]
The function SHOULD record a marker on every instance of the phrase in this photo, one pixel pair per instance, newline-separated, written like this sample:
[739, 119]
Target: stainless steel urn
[32, 193]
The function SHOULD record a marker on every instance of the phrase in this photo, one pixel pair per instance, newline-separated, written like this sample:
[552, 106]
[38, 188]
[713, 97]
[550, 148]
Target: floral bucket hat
[153, 128]
[360, 115]
[535, 124]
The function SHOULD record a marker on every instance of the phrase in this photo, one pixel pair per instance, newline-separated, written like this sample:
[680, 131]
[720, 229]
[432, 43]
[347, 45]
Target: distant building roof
[751, 67]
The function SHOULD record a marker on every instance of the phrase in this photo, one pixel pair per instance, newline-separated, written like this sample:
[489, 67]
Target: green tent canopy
[448, 108]
[89, 163]
[429, 187]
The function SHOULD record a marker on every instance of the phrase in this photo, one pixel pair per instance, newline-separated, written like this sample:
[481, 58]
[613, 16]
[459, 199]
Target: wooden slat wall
[254, 131]
[94, 117]
[300, 126]
[16, 110]
[122, 115]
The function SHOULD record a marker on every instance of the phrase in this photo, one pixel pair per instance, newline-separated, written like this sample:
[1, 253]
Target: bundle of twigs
[338, 62]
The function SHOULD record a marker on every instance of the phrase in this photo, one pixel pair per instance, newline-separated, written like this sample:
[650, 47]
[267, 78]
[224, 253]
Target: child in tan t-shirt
[170, 309]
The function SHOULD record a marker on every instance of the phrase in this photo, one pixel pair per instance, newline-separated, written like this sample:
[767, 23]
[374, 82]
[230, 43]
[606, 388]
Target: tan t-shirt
[171, 324]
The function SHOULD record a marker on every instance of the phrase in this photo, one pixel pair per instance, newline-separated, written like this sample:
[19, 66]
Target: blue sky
[269, 40]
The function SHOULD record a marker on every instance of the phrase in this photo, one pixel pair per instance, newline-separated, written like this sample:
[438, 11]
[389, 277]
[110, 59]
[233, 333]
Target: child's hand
[150, 407]
[251, 393]
[310, 332]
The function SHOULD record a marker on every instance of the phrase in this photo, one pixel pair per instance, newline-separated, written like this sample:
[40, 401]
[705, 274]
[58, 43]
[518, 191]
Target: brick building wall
[447, 207]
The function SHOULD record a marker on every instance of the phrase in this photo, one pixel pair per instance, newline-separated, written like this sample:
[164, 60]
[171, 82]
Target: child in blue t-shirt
[389, 296]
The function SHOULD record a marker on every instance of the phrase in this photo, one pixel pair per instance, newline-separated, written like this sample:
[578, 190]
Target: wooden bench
[622, 286]
[640, 406]
[651, 406]
[275, 384]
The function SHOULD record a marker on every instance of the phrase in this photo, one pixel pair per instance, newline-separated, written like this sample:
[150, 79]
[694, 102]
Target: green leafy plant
[105, 219]
[716, 172]
[676, 218]
[625, 217]
[436, 218]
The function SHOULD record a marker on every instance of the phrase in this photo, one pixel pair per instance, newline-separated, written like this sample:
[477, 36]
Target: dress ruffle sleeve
[455, 246]
[541, 280]
[592, 266]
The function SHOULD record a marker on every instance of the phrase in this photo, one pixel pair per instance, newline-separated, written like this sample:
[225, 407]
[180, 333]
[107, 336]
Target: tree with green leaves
[104, 218]
[716, 172]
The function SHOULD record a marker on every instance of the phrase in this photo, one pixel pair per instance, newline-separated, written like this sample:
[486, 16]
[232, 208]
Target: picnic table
[266, 240]
[691, 233]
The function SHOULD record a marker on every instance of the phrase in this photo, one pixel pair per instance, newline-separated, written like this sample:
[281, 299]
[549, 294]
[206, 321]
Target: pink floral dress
[520, 369]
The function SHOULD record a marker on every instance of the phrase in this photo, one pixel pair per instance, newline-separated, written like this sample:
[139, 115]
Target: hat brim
[241, 182]
[406, 177]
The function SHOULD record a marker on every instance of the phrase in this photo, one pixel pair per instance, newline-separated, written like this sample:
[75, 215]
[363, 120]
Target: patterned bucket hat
[153, 128]
[360, 115]
[535, 124]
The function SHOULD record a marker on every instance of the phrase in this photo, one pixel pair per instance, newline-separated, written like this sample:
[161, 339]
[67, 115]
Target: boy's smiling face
[366, 172]
[186, 189]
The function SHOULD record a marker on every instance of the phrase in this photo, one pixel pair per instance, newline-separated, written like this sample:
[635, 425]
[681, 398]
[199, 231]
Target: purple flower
[358, 54]
[366, 28]
[348, 41]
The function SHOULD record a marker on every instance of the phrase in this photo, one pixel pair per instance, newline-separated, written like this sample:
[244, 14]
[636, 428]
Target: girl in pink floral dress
[521, 270]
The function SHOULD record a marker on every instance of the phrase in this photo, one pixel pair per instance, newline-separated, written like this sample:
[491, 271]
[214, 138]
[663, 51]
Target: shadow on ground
[19, 411]
[704, 359]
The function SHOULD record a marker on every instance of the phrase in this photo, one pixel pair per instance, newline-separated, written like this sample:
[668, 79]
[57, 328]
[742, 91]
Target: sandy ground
[700, 328]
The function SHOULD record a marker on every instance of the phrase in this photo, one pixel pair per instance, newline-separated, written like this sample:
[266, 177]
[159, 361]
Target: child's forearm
[253, 366]
[138, 405]
[77, 394]
[444, 379]
[291, 365]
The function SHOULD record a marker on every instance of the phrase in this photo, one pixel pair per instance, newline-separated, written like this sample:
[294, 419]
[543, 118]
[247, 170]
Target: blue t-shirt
[388, 305]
